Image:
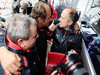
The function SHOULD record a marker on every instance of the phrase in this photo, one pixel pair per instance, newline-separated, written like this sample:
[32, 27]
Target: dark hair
[15, 0]
[43, 0]
[16, 6]
[74, 16]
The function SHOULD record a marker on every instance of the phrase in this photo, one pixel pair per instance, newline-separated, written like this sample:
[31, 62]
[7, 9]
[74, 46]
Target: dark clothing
[42, 44]
[31, 64]
[16, 6]
[2, 37]
[63, 40]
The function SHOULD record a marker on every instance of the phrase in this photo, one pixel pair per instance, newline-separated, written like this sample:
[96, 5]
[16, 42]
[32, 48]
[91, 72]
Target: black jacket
[42, 43]
[63, 40]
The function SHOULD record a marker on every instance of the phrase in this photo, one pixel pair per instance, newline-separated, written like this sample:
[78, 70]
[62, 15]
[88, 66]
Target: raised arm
[9, 61]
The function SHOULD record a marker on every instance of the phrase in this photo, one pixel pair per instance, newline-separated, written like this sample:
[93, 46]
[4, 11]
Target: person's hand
[10, 61]
[77, 29]
[54, 73]
[52, 27]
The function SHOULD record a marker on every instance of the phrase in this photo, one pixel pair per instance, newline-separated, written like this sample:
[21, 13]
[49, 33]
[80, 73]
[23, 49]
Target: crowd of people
[23, 45]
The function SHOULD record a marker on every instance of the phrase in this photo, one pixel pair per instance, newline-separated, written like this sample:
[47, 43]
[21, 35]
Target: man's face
[49, 1]
[64, 19]
[48, 17]
[32, 39]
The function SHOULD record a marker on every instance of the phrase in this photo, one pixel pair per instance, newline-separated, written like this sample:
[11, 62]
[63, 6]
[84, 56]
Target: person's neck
[67, 28]
[39, 26]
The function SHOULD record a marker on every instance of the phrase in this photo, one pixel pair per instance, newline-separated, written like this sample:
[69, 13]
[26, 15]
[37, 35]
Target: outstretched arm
[10, 61]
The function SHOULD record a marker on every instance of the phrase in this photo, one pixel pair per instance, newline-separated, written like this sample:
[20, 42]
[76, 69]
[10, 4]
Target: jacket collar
[13, 45]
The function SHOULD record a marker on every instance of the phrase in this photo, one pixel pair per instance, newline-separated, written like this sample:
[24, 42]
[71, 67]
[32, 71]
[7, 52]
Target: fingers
[9, 73]
[77, 31]
[11, 65]
[15, 66]
[52, 27]
[14, 69]
[17, 73]
[17, 61]
[55, 73]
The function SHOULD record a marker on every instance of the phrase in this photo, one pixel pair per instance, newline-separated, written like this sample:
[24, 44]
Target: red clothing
[54, 15]
[16, 47]
[13, 45]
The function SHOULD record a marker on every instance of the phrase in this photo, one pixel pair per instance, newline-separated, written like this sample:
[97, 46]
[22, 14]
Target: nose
[59, 19]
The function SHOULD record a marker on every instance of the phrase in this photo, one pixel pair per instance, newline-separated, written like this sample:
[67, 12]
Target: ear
[70, 23]
[20, 42]
[40, 19]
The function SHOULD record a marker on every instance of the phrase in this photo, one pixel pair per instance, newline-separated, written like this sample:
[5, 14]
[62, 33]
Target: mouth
[60, 23]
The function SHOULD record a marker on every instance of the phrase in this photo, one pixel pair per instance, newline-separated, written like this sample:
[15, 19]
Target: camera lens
[74, 66]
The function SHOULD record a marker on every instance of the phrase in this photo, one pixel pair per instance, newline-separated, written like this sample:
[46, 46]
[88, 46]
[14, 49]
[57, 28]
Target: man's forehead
[48, 11]
[70, 10]
[66, 12]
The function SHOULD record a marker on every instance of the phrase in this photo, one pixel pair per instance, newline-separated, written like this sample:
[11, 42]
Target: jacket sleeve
[2, 37]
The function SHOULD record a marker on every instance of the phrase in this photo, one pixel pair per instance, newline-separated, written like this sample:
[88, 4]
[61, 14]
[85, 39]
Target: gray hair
[19, 27]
